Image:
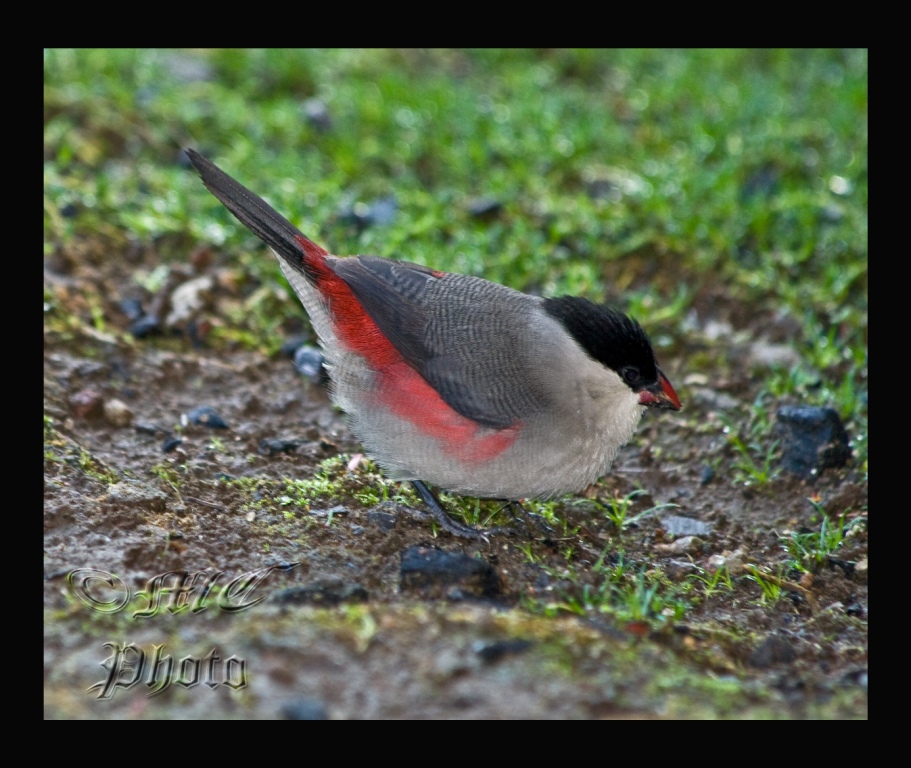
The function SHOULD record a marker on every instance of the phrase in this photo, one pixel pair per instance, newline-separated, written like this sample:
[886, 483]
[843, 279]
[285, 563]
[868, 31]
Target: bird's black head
[615, 341]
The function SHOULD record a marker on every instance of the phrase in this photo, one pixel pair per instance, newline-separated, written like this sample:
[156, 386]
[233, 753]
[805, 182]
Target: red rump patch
[407, 394]
[401, 388]
[353, 326]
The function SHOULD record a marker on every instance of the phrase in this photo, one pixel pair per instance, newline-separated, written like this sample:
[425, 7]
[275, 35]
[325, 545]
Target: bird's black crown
[608, 336]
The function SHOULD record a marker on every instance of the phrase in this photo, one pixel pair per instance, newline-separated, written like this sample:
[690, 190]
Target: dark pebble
[430, 570]
[170, 444]
[812, 439]
[600, 189]
[847, 567]
[88, 404]
[497, 650]
[484, 207]
[149, 429]
[707, 475]
[310, 361]
[273, 445]
[329, 592]
[304, 709]
[145, 326]
[132, 308]
[385, 521]
[775, 649]
[379, 212]
[207, 416]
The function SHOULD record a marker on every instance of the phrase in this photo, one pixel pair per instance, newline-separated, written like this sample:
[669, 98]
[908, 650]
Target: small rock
[679, 569]
[715, 562]
[775, 649]
[385, 521]
[812, 439]
[677, 525]
[188, 299]
[311, 362]
[706, 475]
[133, 493]
[430, 570]
[490, 652]
[773, 355]
[365, 215]
[118, 413]
[145, 326]
[273, 445]
[170, 443]
[696, 380]
[686, 545]
[304, 709]
[207, 416]
[484, 207]
[88, 404]
[132, 308]
[714, 400]
[733, 561]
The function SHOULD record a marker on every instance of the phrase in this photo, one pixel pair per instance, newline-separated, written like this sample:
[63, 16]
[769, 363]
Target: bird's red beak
[660, 395]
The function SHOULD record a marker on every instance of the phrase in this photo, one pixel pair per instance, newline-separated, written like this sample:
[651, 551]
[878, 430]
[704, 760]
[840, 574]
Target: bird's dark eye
[630, 374]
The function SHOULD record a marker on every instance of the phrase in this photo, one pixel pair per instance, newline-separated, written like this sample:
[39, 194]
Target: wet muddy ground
[361, 608]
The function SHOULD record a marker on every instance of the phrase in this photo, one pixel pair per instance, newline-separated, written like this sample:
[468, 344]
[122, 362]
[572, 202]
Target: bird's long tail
[295, 248]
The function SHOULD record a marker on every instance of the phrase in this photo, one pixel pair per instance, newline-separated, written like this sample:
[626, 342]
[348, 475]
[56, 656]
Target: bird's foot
[446, 522]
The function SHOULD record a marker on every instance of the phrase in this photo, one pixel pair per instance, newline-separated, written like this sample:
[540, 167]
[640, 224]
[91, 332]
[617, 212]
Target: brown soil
[343, 632]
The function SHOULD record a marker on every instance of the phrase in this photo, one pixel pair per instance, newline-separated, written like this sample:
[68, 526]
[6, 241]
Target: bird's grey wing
[467, 337]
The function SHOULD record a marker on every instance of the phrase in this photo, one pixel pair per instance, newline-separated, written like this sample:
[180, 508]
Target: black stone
[385, 521]
[495, 651]
[430, 571]
[147, 325]
[207, 416]
[812, 439]
[273, 445]
[170, 444]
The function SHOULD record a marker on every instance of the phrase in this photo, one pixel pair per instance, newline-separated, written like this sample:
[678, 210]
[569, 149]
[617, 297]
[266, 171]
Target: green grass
[645, 177]
[810, 550]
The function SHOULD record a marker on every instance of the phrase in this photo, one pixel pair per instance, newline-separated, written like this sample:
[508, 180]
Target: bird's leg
[447, 523]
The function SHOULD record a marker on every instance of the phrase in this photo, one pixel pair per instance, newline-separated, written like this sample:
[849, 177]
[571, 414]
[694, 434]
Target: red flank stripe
[405, 392]
[353, 326]
[401, 388]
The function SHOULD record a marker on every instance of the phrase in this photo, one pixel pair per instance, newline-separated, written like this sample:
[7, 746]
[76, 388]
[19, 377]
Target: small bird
[458, 382]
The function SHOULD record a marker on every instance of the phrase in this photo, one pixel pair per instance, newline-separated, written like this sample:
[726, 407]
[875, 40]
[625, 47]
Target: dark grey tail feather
[252, 211]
